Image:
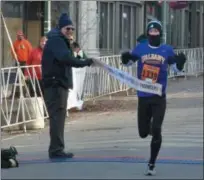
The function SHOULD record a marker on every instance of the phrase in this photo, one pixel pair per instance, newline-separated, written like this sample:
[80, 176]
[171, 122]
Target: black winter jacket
[58, 60]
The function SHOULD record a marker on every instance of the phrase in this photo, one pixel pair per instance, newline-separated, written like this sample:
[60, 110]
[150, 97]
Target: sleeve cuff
[130, 63]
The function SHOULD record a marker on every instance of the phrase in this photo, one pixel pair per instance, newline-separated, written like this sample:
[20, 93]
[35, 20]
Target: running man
[153, 59]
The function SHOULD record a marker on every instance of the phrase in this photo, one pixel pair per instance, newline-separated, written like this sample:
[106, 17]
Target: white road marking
[16, 136]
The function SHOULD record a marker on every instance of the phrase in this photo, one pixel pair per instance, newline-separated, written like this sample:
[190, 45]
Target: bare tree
[93, 22]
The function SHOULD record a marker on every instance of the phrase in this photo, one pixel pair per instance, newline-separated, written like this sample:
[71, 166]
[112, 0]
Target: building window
[111, 22]
[203, 28]
[106, 18]
[198, 5]
[190, 30]
[13, 13]
[58, 7]
[76, 10]
[176, 28]
[12, 9]
[151, 8]
[125, 25]
[103, 25]
[118, 28]
[198, 29]
[128, 26]
[33, 10]
[135, 14]
[187, 30]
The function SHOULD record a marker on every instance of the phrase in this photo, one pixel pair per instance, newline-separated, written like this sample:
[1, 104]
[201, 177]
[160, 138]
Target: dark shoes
[61, 154]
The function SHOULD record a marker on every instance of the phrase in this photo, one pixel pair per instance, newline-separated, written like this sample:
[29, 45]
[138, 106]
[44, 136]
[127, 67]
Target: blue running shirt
[153, 65]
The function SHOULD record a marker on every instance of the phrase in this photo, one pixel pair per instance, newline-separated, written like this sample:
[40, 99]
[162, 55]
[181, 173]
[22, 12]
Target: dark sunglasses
[69, 28]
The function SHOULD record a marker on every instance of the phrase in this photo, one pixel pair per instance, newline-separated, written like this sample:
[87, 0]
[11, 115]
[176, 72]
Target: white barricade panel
[18, 106]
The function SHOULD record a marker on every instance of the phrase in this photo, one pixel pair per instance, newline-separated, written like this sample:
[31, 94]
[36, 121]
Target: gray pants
[56, 102]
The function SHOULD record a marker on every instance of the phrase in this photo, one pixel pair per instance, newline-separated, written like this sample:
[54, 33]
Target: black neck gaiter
[154, 40]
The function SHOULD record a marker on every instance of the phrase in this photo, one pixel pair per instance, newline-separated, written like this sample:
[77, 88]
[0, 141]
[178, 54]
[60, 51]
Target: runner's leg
[144, 116]
[158, 113]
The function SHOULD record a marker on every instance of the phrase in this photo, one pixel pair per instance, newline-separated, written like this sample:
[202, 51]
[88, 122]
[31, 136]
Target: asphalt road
[107, 145]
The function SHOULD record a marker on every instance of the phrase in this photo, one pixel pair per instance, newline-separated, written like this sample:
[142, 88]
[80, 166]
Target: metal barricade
[16, 106]
[99, 83]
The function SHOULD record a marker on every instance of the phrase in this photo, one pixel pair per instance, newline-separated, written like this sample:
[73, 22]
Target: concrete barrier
[36, 110]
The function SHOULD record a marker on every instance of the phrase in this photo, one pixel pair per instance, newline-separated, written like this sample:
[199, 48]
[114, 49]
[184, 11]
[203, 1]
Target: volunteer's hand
[89, 61]
[79, 57]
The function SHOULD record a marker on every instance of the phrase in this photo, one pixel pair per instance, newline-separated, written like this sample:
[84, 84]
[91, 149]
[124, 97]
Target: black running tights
[151, 112]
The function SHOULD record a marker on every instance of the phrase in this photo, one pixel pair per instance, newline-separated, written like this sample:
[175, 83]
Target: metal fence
[18, 106]
[20, 110]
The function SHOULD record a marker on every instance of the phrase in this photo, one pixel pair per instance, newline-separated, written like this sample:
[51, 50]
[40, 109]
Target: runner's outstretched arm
[129, 57]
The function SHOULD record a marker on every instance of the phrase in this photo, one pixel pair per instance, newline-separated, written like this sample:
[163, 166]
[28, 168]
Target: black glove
[125, 57]
[89, 61]
[79, 57]
[180, 61]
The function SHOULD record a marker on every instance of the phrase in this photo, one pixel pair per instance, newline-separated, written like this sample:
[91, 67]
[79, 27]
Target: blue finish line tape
[111, 160]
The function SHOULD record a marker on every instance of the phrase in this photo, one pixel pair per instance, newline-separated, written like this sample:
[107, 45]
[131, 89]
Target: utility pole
[47, 17]
[164, 20]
